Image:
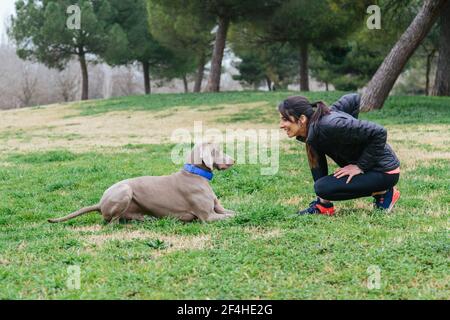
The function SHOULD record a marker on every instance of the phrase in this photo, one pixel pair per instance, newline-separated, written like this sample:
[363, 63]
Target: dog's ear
[206, 155]
[191, 156]
[195, 156]
[218, 156]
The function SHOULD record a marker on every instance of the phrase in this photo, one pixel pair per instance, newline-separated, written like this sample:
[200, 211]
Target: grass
[398, 110]
[263, 253]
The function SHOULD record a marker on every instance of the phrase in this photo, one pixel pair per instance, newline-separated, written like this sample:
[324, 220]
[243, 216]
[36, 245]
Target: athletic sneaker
[386, 201]
[316, 207]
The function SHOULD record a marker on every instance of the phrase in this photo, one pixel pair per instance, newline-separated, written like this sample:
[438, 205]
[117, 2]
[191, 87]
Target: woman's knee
[324, 188]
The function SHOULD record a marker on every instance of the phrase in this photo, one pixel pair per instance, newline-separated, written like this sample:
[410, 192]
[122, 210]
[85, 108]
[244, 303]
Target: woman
[368, 165]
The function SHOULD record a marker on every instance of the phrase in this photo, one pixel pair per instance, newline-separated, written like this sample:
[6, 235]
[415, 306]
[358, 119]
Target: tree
[274, 63]
[188, 36]
[304, 23]
[251, 71]
[28, 85]
[382, 82]
[349, 63]
[442, 82]
[281, 64]
[227, 11]
[124, 81]
[427, 51]
[321, 70]
[180, 66]
[40, 33]
[132, 41]
[398, 15]
[224, 12]
[67, 82]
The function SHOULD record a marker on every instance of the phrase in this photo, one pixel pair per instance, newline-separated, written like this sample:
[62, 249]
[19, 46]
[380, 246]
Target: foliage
[351, 62]
[348, 64]
[187, 36]
[40, 32]
[131, 38]
[301, 21]
[180, 30]
[276, 63]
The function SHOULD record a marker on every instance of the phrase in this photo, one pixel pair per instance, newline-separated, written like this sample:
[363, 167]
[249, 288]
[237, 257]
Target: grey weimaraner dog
[185, 195]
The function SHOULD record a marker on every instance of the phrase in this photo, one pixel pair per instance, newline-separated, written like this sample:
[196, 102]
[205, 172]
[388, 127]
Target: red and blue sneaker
[387, 201]
[317, 207]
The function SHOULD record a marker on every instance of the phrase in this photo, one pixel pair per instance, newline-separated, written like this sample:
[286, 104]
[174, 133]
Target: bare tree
[25, 83]
[28, 87]
[124, 81]
[96, 82]
[67, 82]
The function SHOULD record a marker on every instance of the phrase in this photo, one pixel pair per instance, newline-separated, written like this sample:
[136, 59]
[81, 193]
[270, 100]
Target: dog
[185, 195]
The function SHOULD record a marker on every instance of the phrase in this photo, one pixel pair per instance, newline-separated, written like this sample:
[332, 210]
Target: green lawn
[262, 253]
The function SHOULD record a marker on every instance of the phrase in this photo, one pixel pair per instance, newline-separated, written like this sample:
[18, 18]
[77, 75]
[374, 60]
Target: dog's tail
[76, 214]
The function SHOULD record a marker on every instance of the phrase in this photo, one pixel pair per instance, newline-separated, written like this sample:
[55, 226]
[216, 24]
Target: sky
[6, 9]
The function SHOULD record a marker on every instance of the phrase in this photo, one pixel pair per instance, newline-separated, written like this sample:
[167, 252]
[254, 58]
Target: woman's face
[294, 128]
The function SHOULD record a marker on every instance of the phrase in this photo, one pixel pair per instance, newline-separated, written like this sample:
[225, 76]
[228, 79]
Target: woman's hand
[350, 170]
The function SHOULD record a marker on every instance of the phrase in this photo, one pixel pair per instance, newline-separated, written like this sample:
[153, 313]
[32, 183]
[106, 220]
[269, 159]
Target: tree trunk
[382, 82]
[200, 72]
[146, 70]
[84, 76]
[216, 62]
[269, 84]
[430, 57]
[326, 86]
[304, 80]
[442, 80]
[185, 84]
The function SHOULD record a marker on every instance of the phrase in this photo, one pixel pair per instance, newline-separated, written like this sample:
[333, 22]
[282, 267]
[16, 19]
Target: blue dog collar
[198, 171]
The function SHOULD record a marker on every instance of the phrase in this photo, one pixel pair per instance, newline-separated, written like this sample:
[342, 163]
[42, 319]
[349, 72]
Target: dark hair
[296, 106]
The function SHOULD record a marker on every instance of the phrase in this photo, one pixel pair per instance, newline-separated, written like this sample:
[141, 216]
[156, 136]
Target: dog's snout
[229, 160]
[224, 162]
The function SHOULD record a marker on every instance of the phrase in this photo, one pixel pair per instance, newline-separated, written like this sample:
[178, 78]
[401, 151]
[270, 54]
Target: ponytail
[297, 105]
[321, 110]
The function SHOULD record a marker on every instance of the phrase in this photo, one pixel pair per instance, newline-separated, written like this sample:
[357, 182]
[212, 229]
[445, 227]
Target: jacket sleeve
[372, 135]
[348, 103]
[317, 162]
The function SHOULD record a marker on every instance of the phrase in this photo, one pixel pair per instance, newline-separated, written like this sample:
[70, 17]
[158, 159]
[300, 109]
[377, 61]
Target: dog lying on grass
[185, 195]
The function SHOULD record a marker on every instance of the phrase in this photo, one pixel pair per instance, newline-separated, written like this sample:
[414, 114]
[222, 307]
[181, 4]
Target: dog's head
[210, 156]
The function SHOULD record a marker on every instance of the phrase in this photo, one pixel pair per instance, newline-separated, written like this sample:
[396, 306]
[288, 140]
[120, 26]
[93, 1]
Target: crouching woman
[368, 165]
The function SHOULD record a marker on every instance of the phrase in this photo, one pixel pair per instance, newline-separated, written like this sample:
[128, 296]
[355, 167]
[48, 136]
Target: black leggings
[362, 185]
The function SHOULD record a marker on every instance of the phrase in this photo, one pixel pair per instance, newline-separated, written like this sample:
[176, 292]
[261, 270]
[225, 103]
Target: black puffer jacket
[347, 140]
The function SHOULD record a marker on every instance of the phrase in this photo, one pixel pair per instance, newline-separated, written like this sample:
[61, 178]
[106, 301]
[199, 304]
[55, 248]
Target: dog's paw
[230, 214]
